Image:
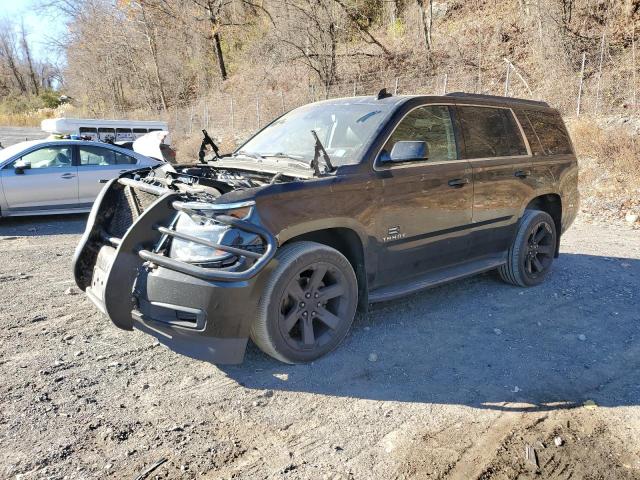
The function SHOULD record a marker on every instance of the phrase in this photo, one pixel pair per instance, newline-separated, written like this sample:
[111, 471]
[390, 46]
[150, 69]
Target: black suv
[331, 207]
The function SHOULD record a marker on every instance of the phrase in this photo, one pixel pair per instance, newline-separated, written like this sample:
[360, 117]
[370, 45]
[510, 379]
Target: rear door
[426, 204]
[48, 180]
[499, 155]
[96, 166]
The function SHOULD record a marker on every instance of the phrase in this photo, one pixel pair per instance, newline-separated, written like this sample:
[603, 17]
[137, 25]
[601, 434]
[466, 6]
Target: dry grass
[608, 153]
[26, 119]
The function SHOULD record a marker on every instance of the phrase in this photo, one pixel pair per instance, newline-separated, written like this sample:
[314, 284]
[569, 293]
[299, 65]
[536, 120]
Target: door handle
[522, 173]
[103, 180]
[67, 175]
[458, 182]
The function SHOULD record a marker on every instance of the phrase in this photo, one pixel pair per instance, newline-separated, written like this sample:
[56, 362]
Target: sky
[40, 27]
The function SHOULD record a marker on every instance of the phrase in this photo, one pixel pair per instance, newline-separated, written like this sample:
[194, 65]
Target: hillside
[233, 65]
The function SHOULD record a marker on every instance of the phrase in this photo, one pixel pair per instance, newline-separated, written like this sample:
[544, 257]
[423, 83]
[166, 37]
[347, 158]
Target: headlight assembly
[202, 225]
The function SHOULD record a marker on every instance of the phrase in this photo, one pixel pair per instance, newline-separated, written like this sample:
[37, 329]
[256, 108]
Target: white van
[104, 130]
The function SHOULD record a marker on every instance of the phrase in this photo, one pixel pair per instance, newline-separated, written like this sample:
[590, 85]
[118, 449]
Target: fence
[233, 116]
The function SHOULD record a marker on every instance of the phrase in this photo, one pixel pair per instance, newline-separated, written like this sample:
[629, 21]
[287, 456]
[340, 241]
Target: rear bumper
[198, 317]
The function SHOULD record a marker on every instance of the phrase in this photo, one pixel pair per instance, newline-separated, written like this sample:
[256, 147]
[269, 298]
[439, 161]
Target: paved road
[11, 135]
[466, 374]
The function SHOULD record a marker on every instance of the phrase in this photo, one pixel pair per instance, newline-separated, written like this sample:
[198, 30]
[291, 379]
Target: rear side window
[550, 129]
[122, 159]
[96, 156]
[99, 156]
[490, 132]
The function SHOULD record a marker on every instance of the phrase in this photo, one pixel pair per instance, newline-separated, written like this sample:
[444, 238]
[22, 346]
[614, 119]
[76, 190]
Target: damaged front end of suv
[163, 248]
[158, 247]
[176, 251]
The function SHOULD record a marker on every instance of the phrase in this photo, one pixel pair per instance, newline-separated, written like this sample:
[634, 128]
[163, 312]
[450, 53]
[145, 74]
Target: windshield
[10, 151]
[344, 129]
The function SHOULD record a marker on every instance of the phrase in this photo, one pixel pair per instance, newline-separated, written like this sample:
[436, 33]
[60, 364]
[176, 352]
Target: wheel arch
[550, 203]
[349, 243]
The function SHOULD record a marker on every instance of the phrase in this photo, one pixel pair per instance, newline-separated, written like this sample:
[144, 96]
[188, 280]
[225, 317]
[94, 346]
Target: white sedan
[60, 176]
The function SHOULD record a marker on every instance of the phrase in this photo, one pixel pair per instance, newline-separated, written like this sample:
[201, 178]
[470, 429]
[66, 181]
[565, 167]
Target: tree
[27, 55]
[8, 52]
[426, 18]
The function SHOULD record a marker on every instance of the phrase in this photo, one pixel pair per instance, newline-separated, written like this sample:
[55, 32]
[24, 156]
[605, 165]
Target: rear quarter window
[527, 128]
[551, 132]
[490, 132]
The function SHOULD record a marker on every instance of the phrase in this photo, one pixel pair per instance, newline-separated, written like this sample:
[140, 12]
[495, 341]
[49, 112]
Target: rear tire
[308, 303]
[530, 256]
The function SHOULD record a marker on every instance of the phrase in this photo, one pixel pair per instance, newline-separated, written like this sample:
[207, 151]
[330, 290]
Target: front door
[426, 203]
[42, 180]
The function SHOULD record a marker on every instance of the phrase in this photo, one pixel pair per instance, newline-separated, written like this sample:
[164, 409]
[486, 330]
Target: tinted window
[534, 142]
[103, 157]
[96, 156]
[89, 132]
[47, 157]
[122, 159]
[490, 132]
[431, 124]
[551, 131]
[123, 134]
[106, 134]
[138, 132]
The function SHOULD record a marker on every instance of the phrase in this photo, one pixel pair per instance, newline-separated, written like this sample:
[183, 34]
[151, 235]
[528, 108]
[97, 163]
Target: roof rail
[497, 97]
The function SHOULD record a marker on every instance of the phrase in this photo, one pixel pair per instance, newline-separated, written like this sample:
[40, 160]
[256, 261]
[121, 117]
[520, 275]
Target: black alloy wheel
[531, 254]
[308, 303]
[540, 249]
[312, 306]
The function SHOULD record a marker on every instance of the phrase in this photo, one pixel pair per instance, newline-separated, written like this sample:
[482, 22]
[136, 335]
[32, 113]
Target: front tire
[530, 256]
[308, 303]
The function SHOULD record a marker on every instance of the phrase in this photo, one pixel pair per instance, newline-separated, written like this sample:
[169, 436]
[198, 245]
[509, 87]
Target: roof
[69, 125]
[497, 98]
[393, 100]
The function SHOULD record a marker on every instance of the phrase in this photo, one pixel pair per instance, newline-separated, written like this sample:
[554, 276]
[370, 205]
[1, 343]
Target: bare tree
[27, 56]
[8, 51]
[426, 18]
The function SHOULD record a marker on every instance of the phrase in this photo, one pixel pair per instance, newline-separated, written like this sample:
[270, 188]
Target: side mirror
[404, 151]
[19, 168]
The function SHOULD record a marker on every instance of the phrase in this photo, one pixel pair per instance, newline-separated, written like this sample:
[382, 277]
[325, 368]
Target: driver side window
[47, 157]
[431, 124]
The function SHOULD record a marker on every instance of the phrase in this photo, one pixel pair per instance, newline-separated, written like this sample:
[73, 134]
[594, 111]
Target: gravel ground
[465, 377]
[11, 135]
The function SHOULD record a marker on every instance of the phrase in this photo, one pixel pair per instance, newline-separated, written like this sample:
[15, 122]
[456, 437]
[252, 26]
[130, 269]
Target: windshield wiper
[288, 156]
[319, 149]
[283, 155]
[244, 153]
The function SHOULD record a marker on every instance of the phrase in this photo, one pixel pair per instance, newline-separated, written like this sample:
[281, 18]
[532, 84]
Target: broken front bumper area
[204, 313]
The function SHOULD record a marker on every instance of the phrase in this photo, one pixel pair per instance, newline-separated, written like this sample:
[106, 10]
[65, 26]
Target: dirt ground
[466, 377]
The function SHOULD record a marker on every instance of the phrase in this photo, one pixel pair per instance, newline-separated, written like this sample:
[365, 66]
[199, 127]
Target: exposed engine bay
[212, 180]
[216, 174]
[223, 180]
